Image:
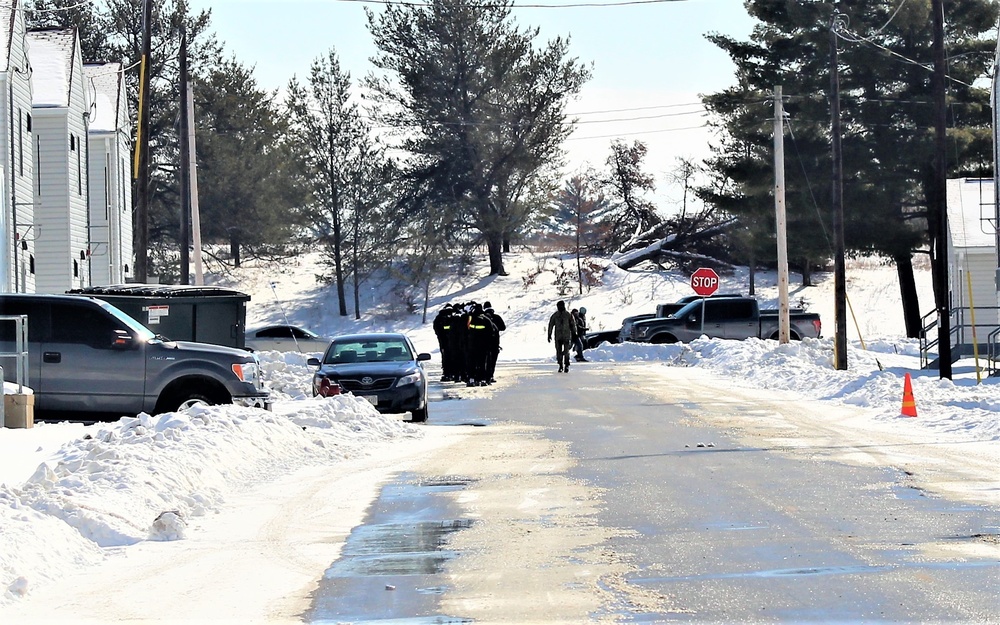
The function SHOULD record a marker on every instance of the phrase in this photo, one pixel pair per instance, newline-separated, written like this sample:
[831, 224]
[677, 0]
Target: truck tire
[791, 335]
[183, 394]
[663, 339]
[194, 399]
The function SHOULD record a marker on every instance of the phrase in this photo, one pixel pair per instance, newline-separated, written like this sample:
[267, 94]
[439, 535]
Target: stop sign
[705, 281]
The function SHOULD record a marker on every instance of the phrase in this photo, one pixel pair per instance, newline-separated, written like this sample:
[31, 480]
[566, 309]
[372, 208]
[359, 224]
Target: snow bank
[144, 478]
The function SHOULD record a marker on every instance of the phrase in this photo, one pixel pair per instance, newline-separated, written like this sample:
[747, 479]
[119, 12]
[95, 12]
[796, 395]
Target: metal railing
[20, 353]
[966, 339]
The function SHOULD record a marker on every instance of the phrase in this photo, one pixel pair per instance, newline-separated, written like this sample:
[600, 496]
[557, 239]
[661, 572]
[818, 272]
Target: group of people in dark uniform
[469, 339]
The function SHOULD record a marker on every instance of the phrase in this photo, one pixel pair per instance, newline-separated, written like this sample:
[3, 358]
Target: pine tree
[480, 109]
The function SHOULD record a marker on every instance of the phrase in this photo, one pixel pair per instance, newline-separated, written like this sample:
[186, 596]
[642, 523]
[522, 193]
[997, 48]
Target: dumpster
[205, 314]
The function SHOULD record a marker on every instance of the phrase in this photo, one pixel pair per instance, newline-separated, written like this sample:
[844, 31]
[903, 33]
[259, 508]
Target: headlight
[406, 380]
[248, 372]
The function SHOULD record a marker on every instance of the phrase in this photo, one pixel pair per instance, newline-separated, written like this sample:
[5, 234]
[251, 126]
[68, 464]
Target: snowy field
[72, 496]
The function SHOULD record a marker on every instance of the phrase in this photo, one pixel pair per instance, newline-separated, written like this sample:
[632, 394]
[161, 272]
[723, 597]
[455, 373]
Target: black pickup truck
[726, 317]
[593, 339]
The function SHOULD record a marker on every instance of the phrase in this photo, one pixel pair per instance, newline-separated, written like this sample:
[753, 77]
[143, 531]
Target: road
[605, 495]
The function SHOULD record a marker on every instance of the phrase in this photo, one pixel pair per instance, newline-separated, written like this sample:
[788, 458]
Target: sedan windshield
[377, 350]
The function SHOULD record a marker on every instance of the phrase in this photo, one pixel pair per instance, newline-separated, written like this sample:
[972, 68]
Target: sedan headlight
[406, 380]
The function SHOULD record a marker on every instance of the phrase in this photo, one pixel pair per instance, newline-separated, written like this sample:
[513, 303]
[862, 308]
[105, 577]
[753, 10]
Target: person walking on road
[564, 325]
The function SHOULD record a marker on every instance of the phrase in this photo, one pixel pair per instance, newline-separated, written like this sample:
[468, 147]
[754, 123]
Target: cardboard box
[19, 411]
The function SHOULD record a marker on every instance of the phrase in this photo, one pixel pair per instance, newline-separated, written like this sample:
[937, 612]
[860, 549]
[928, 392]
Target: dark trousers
[562, 352]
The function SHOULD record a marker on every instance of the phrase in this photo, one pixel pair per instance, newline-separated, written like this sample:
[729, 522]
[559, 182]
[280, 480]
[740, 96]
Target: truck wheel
[663, 339]
[184, 393]
[193, 399]
[419, 416]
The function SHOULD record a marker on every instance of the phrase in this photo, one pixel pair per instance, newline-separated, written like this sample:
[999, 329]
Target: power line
[642, 132]
[637, 108]
[497, 5]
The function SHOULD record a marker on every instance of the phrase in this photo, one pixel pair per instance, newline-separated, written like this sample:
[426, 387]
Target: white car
[284, 338]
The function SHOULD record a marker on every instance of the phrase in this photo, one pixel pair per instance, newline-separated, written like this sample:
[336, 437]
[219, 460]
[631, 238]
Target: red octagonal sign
[705, 281]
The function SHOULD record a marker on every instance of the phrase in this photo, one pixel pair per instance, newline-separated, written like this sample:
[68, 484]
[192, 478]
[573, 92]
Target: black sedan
[383, 368]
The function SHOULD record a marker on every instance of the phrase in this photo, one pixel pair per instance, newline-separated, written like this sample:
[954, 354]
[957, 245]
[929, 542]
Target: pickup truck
[728, 318]
[84, 355]
[594, 339]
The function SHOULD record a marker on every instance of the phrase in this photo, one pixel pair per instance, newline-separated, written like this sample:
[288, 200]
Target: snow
[73, 496]
[50, 53]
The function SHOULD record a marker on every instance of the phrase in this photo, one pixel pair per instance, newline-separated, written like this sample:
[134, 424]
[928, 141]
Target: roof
[8, 11]
[104, 80]
[159, 290]
[971, 206]
[51, 56]
[369, 336]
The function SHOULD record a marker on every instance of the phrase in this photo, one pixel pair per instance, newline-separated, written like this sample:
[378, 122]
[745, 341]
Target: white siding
[978, 266]
[61, 184]
[18, 165]
[110, 188]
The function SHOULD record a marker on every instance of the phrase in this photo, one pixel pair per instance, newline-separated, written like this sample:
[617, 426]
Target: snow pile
[144, 478]
[874, 378]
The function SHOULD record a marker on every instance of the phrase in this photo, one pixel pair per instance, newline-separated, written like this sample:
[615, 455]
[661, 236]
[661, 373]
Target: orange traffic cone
[909, 404]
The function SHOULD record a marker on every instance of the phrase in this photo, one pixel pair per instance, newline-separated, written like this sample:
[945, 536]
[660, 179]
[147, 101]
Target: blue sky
[643, 56]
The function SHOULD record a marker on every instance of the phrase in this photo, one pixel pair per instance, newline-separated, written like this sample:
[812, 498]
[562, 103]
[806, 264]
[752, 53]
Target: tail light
[328, 388]
[818, 324]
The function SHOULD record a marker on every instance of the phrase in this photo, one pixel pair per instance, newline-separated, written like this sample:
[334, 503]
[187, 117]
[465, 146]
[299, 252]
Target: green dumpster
[205, 314]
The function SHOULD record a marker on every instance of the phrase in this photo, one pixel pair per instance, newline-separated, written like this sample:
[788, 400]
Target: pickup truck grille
[378, 384]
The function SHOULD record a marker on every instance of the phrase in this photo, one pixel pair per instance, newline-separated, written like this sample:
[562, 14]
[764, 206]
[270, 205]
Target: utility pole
[185, 169]
[199, 274]
[937, 211]
[839, 270]
[141, 166]
[779, 214]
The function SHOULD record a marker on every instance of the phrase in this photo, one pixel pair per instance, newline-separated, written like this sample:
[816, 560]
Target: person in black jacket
[442, 326]
[499, 326]
[581, 330]
[480, 339]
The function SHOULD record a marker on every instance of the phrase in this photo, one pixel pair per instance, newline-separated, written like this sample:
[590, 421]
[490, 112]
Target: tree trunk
[338, 260]
[753, 275]
[494, 244]
[234, 246]
[908, 294]
[807, 273]
[355, 271]
[506, 244]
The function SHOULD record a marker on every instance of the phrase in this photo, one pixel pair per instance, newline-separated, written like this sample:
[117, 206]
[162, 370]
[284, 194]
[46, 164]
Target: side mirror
[121, 339]
[313, 361]
[423, 356]
[692, 318]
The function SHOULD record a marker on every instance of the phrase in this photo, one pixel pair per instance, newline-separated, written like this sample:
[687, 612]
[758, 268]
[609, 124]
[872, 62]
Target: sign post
[704, 281]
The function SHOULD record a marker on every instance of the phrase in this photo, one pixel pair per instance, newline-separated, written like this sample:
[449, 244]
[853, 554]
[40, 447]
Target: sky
[650, 62]
[171, 500]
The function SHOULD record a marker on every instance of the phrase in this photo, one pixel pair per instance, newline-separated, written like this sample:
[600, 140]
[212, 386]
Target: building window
[31, 263]
[29, 121]
[79, 172]
[20, 142]
[72, 143]
[76, 269]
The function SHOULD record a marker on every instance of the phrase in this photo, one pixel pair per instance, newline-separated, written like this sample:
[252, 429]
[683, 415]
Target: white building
[972, 263]
[61, 112]
[111, 226]
[17, 223]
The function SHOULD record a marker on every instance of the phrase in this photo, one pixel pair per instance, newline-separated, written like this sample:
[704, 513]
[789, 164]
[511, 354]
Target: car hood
[370, 368]
[233, 353]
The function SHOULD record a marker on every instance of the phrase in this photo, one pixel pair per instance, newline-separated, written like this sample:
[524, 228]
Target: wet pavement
[390, 569]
